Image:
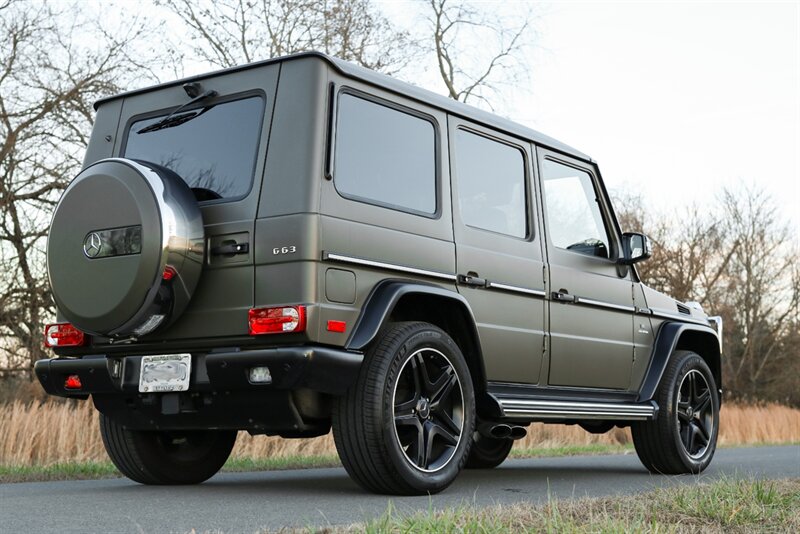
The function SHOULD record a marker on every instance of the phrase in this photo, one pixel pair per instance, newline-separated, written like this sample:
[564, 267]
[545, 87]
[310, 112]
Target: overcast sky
[674, 100]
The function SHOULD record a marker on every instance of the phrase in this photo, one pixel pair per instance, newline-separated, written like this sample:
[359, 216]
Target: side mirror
[636, 247]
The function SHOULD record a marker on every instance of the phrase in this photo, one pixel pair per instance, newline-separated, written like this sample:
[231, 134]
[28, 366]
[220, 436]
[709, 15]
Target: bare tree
[53, 64]
[226, 33]
[739, 261]
[477, 51]
[761, 291]
[691, 256]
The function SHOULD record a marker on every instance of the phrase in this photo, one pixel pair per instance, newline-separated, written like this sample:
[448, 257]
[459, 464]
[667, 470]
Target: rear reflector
[169, 273]
[73, 382]
[63, 335]
[277, 320]
[337, 326]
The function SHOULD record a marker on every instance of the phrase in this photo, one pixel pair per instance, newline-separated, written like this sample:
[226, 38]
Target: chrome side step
[517, 408]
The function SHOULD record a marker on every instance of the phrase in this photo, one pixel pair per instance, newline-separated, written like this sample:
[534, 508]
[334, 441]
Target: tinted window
[385, 156]
[491, 184]
[214, 152]
[573, 212]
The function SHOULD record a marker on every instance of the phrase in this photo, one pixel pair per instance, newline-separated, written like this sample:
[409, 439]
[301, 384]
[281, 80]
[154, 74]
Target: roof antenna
[192, 89]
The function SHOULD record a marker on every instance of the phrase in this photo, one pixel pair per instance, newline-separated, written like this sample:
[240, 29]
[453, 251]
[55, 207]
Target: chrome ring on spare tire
[428, 410]
[695, 414]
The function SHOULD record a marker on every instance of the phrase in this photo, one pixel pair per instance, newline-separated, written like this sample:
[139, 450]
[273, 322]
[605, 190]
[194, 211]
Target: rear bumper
[322, 369]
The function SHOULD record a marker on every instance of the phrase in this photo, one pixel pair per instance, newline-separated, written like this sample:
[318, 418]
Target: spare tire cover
[118, 226]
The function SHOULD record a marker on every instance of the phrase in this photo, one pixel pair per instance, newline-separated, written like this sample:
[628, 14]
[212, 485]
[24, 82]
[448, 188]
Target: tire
[683, 437]
[413, 388]
[166, 458]
[488, 453]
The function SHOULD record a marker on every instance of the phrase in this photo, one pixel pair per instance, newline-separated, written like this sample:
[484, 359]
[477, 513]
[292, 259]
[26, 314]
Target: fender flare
[666, 341]
[381, 302]
[384, 298]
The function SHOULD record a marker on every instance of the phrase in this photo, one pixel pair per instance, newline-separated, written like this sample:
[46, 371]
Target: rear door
[498, 252]
[220, 153]
[591, 306]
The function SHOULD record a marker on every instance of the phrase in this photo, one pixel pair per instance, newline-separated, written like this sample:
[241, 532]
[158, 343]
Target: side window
[574, 220]
[491, 184]
[385, 156]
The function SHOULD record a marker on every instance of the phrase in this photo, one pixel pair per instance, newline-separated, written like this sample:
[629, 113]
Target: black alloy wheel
[428, 410]
[695, 414]
[405, 426]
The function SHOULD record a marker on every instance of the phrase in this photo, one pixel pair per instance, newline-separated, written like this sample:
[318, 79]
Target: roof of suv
[387, 82]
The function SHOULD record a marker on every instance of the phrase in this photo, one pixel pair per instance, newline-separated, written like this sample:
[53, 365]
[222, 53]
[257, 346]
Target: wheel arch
[674, 336]
[402, 300]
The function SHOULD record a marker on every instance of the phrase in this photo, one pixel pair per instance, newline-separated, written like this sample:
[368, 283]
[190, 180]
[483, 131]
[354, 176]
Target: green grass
[571, 450]
[61, 471]
[238, 465]
[97, 470]
[728, 505]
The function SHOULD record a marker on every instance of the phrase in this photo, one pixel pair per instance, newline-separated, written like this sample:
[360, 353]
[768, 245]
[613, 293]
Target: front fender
[676, 335]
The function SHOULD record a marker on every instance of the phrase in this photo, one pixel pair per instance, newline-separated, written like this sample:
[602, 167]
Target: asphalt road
[248, 502]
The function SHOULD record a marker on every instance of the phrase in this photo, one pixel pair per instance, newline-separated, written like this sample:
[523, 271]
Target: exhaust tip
[500, 431]
[518, 432]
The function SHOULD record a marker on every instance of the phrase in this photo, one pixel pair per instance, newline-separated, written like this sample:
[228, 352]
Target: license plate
[160, 374]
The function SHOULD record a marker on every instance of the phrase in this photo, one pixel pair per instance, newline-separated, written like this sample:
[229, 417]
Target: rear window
[385, 156]
[214, 150]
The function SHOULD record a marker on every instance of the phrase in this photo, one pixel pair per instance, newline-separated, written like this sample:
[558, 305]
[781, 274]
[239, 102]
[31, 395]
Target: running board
[515, 408]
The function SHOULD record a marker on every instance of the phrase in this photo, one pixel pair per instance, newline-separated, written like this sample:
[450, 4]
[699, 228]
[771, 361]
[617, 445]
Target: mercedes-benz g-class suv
[300, 243]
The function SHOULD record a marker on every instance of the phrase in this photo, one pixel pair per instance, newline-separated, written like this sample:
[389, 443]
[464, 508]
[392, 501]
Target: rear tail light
[63, 335]
[277, 320]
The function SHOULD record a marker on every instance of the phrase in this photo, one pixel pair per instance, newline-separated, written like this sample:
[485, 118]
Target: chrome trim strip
[541, 409]
[517, 289]
[382, 265]
[603, 304]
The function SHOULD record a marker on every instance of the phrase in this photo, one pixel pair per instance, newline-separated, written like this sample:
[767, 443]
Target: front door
[591, 302]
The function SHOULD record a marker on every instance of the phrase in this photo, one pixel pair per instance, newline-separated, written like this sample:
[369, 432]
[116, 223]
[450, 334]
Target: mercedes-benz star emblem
[92, 245]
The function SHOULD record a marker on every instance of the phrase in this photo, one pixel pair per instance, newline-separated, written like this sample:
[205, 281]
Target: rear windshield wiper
[173, 119]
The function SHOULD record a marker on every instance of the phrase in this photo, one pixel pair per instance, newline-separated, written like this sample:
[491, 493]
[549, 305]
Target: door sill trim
[537, 409]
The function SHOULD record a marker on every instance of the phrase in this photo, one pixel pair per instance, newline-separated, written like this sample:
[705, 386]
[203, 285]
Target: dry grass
[55, 432]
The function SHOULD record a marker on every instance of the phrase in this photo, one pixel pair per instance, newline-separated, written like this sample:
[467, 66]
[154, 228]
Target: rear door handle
[231, 249]
[563, 296]
[472, 281]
